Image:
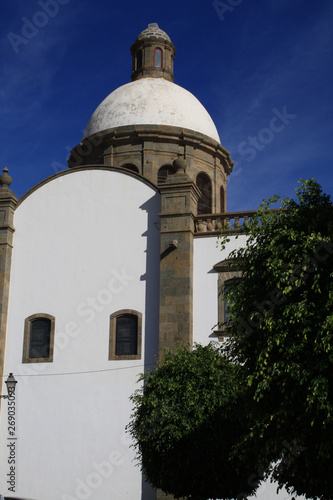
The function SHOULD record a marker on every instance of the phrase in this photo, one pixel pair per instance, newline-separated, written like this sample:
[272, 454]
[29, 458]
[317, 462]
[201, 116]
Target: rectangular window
[228, 276]
[126, 335]
[226, 289]
[40, 331]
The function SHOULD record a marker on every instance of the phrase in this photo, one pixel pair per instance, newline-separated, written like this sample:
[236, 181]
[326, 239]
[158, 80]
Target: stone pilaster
[179, 196]
[108, 156]
[8, 203]
[148, 157]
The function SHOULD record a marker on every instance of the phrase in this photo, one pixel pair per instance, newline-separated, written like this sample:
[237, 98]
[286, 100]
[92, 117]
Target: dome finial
[153, 54]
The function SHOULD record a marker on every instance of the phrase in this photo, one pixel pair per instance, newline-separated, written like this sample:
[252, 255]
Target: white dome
[151, 101]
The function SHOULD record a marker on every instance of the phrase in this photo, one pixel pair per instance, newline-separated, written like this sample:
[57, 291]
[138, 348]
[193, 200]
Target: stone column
[8, 203]
[179, 196]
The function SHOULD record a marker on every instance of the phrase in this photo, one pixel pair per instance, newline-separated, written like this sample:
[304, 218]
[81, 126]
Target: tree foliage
[188, 415]
[281, 334]
[212, 426]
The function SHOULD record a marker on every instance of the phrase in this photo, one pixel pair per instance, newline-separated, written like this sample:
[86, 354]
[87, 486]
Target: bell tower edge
[179, 197]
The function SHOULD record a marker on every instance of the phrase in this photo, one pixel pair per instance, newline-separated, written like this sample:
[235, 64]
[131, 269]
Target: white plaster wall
[80, 253]
[206, 253]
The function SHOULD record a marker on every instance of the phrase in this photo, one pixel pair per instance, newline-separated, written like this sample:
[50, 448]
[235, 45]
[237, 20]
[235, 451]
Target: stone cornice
[140, 42]
[157, 133]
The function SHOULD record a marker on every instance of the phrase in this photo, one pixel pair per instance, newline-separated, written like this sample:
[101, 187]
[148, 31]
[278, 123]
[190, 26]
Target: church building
[102, 266]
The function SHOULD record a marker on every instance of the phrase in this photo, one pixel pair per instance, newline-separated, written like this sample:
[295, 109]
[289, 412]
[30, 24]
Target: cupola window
[205, 200]
[158, 58]
[139, 59]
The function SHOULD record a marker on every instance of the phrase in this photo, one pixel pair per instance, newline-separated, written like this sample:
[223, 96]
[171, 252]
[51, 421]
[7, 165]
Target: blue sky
[263, 70]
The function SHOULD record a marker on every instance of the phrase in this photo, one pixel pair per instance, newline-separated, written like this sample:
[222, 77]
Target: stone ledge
[155, 133]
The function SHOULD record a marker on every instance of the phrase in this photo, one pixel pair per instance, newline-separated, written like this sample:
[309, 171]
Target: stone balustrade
[227, 222]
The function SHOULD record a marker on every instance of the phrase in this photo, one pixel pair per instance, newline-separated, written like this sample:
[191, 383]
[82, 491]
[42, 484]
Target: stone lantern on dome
[144, 125]
[153, 54]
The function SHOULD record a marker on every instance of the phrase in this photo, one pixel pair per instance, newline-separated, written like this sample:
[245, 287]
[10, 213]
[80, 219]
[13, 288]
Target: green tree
[187, 417]
[281, 334]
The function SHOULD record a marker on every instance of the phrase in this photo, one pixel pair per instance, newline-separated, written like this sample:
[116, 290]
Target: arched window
[131, 166]
[222, 196]
[38, 338]
[158, 58]
[164, 172]
[139, 59]
[125, 335]
[205, 201]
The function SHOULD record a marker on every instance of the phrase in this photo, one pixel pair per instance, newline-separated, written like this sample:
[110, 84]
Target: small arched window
[158, 58]
[164, 172]
[38, 339]
[125, 335]
[205, 201]
[131, 166]
[139, 59]
[222, 196]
